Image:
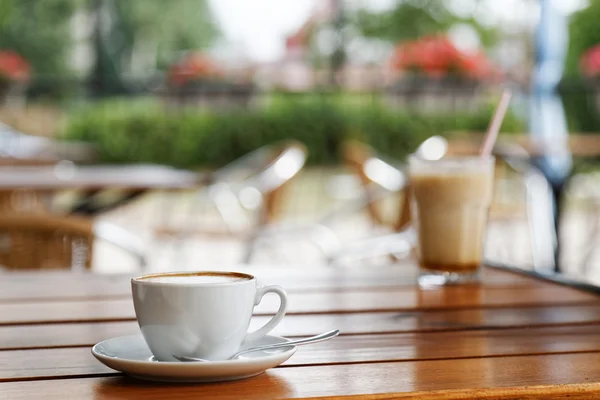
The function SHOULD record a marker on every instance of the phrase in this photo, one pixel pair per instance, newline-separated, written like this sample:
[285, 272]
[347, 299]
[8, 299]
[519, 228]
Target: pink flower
[590, 62]
[192, 67]
[13, 66]
[437, 56]
[477, 66]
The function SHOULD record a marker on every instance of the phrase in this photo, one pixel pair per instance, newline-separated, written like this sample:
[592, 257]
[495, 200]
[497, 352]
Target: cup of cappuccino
[451, 200]
[200, 314]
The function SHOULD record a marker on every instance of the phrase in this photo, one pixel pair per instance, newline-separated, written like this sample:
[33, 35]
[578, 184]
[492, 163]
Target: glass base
[432, 278]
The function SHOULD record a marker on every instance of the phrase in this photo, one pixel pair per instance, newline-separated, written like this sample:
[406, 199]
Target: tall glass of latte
[451, 199]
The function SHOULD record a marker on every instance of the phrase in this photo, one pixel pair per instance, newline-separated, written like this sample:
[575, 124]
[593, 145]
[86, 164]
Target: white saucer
[131, 355]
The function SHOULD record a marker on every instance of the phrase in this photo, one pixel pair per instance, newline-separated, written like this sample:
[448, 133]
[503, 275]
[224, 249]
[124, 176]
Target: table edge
[551, 277]
[570, 391]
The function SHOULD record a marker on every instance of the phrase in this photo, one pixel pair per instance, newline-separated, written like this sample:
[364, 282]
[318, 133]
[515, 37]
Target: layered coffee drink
[451, 199]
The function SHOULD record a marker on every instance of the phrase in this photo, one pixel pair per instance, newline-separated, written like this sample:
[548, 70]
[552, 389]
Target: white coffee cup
[200, 314]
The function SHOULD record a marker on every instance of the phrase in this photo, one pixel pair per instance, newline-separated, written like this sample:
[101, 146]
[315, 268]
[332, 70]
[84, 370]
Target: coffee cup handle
[269, 326]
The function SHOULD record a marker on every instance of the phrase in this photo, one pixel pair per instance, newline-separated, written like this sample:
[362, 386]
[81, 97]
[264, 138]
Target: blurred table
[17, 148]
[514, 336]
[580, 145]
[70, 176]
[133, 180]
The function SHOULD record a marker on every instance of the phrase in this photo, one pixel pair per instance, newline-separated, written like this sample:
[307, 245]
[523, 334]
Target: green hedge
[130, 132]
[578, 93]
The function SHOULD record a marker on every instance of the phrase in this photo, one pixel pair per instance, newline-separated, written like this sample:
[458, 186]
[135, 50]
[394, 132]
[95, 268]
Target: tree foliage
[584, 32]
[42, 32]
[167, 27]
[39, 30]
[157, 28]
[411, 19]
[580, 104]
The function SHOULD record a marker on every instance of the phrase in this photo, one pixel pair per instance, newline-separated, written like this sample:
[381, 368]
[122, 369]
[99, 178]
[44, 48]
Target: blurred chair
[380, 178]
[377, 174]
[538, 212]
[391, 247]
[248, 193]
[38, 241]
[584, 188]
[539, 204]
[23, 201]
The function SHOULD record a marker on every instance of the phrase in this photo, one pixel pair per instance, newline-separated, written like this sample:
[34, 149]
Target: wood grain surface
[64, 362]
[390, 378]
[398, 299]
[60, 285]
[16, 337]
[512, 337]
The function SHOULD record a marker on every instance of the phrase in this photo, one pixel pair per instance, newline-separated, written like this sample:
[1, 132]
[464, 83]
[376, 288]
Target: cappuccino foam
[211, 279]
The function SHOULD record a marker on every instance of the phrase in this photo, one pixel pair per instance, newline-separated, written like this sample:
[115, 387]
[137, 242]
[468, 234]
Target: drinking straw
[492, 132]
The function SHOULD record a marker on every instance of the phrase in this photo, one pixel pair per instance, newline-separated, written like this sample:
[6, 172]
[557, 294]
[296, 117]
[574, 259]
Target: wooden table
[132, 180]
[512, 337]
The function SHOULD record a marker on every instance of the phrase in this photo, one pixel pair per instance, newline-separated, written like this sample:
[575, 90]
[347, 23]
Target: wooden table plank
[87, 334]
[69, 362]
[403, 299]
[61, 285]
[476, 377]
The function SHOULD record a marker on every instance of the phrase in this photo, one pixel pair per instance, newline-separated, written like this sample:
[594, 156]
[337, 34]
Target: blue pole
[547, 123]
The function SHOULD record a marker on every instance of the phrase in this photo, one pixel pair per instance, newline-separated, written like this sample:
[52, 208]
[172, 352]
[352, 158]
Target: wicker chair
[42, 241]
[23, 201]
